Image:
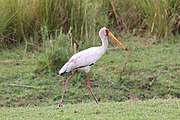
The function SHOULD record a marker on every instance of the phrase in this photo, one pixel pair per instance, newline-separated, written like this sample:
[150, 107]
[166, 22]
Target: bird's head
[107, 33]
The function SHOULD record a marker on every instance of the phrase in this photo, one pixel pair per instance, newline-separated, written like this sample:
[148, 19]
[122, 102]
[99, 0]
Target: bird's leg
[64, 89]
[89, 86]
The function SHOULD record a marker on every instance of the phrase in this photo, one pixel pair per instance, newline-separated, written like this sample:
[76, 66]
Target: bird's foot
[61, 103]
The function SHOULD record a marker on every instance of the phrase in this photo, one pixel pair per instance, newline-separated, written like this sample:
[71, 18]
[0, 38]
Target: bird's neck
[104, 43]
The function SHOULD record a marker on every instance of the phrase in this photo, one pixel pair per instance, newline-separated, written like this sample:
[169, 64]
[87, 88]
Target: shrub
[56, 51]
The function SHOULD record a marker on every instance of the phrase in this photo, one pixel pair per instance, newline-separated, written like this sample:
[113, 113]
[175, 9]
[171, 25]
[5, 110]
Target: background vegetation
[26, 21]
[38, 36]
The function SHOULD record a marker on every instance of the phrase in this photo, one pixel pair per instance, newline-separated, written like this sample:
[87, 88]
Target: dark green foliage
[57, 60]
[57, 51]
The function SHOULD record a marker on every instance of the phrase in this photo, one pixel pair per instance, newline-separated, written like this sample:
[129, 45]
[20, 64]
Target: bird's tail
[63, 69]
[62, 73]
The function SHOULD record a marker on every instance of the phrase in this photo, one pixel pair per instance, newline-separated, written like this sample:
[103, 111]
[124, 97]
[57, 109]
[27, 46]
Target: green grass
[139, 110]
[152, 71]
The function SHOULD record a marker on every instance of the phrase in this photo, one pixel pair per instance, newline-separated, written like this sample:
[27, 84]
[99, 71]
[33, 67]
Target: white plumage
[86, 58]
[83, 60]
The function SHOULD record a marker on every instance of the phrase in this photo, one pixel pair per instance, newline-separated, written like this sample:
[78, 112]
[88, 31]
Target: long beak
[115, 40]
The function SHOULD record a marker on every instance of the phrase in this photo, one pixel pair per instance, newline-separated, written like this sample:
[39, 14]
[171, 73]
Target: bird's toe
[61, 103]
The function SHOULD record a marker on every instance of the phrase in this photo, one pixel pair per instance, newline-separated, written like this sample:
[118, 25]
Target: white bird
[86, 58]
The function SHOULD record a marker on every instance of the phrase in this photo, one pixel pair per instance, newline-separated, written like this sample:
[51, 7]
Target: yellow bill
[115, 40]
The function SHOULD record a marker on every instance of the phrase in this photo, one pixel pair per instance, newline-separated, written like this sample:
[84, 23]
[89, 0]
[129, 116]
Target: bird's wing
[81, 59]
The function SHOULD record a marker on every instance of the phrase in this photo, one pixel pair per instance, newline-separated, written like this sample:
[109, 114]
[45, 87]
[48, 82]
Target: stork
[86, 58]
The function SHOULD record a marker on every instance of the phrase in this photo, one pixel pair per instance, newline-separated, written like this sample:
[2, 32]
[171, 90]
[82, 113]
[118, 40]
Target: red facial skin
[107, 32]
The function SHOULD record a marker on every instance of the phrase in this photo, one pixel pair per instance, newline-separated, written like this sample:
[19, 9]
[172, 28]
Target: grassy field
[38, 37]
[151, 71]
[130, 110]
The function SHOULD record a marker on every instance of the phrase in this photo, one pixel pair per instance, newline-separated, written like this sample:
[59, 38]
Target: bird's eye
[107, 32]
